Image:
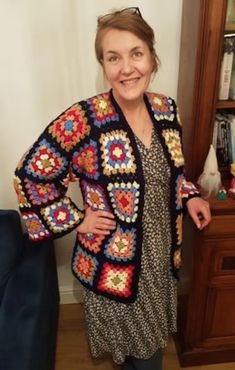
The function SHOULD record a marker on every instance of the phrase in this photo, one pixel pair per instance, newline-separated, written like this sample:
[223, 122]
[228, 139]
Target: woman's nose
[127, 66]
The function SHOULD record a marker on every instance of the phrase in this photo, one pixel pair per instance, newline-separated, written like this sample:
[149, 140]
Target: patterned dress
[140, 328]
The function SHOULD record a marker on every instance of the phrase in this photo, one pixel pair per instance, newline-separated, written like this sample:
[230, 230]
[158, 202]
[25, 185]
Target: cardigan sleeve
[43, 175]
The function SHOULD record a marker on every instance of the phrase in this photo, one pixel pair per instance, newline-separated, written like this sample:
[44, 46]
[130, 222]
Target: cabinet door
[218, 326]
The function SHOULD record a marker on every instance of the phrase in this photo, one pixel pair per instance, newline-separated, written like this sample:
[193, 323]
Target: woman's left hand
[199, 211]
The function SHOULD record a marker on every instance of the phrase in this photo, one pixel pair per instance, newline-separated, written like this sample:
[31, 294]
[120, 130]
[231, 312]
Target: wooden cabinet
[206, 328]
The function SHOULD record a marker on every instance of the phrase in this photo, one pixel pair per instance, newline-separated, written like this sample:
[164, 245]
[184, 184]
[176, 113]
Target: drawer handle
[228, 263]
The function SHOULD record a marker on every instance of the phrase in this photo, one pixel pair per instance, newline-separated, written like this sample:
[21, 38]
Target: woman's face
[127, 64]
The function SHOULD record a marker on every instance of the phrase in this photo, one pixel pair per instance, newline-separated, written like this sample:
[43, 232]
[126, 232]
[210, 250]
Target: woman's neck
[132, 107]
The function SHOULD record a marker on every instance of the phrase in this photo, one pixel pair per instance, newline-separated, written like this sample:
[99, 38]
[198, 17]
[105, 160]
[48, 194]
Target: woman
[124, 146]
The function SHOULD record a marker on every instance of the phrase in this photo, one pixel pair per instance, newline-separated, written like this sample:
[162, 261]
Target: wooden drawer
[221, 261]
[221, 226]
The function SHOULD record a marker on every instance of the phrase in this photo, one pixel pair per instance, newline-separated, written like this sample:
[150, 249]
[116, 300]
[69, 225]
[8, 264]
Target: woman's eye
[113, 59]
[137, 54]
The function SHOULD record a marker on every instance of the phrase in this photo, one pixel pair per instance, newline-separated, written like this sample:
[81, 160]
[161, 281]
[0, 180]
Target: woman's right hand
[97, 222]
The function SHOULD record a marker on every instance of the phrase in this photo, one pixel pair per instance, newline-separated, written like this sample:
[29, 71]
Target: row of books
[224, 138]
[227, 73]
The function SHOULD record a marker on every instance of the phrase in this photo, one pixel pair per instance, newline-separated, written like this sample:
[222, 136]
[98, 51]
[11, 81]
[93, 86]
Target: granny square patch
[94, 196]
[90, 241]
[70, 128]
[172, 140]
[122, 245]
[20, 193]
[162, 107]
[179, 228]
[61, 216]
[85, 160]
[116, 280]
[117, 153]
[40, 193]
[46, 162]
[102, 110]
[84, 266]
[178, 191]
[125, 200]
[35, 227]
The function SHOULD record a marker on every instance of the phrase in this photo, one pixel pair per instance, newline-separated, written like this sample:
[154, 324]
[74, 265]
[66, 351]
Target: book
[232, 137]
[232, 82]
[230, 15]
[224, 138]
[226, 68]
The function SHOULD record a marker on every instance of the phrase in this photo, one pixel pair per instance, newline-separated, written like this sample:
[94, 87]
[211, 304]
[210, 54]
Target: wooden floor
[73, 351]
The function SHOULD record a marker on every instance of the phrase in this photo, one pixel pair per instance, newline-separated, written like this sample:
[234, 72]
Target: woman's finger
[103, 226]
[104, 214]
[100, 231]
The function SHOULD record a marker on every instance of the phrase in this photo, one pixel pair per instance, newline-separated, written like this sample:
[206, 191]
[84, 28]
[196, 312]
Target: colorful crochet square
[102, 110]
[162, 107]
[177, 258]
[84, 266]
[117, 153]
[40, 193]
[125, 200]
[45, 162]
[94, 196]
[178, 191]
[92, 242]
[61, 216]
[179, 228]
[35, 227]
[20, 193]
[188, 189]
[86, 161]
[70, 128]
[122, 245]
[116, 280]
[172, 139]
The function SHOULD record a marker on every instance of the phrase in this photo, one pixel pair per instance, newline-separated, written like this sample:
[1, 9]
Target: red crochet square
[116, 280]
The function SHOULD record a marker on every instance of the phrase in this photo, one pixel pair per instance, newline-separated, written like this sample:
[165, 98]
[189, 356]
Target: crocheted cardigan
[92, 142]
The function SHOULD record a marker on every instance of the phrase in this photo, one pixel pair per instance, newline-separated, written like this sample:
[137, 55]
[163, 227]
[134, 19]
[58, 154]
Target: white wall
[47, 62]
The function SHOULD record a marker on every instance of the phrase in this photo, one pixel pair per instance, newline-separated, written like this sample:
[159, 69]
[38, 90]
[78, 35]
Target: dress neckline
[141, 142]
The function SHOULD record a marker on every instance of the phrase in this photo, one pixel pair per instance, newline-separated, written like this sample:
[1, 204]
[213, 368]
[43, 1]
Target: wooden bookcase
[206, 327]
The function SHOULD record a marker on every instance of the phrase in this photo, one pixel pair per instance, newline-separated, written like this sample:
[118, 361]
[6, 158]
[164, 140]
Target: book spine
[232, 129]
[226, 68]
[225, 76]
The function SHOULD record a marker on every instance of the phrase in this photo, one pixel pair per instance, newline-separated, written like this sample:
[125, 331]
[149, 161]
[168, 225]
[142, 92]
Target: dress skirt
[139, 329]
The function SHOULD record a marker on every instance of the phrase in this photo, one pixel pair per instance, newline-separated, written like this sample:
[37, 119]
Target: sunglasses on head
[131, 10]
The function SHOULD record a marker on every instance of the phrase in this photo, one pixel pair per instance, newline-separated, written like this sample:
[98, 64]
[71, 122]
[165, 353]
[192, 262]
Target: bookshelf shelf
[225, 104]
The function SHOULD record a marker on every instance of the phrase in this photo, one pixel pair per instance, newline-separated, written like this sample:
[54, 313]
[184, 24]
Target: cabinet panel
[221, 226]
[222, 259]
[219, 321]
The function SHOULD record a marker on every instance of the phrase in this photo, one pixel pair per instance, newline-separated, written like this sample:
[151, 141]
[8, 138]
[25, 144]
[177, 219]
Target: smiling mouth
[130, 81]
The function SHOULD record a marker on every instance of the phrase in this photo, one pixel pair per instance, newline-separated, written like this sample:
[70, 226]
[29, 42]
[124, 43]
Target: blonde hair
[126, 20]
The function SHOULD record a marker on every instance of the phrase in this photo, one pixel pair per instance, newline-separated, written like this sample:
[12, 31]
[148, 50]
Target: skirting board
[68, 295]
